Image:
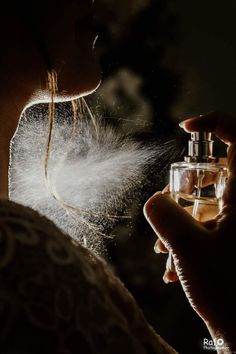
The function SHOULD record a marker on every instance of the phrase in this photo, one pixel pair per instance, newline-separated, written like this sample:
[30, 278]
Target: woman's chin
[43, 96]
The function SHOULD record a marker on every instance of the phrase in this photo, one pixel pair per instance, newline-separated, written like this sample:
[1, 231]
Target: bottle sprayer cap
[200, 148]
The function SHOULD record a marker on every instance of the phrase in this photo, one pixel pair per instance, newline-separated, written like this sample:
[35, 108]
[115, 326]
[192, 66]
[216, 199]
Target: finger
[229, 197]
[170, 277]
[160, 247]
[170, 265]
[166, 189]
[221, 124]
[175, 227]
[210, 224]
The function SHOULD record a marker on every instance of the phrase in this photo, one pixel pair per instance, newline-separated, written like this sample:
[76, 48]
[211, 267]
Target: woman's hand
[204, 252]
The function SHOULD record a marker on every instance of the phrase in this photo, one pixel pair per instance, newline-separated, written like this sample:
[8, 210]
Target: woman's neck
[10, 111]
[4, 163]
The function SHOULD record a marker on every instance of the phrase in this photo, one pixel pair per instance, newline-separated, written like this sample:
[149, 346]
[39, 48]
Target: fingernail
[182, 124]
[187, 120]
[165, 278]
[150, 206]
[148, 209]
[156, 249]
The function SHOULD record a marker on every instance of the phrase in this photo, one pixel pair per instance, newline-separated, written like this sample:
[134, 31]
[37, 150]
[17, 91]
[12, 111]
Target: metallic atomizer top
[200, 148]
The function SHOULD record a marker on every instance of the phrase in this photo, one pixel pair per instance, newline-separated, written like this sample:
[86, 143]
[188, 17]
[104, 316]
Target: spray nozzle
[200, 147]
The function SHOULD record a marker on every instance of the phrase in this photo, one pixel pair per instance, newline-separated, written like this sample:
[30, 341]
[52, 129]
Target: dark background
[161, 61]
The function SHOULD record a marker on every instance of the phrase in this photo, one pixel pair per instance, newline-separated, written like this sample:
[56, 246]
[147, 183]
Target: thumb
[176, 228]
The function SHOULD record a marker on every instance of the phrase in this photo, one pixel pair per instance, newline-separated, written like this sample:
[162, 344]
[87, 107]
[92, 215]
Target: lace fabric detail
[57, 297]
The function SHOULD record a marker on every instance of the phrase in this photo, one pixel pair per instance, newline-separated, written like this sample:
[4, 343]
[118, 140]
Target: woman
[36, 39]
[55, 296]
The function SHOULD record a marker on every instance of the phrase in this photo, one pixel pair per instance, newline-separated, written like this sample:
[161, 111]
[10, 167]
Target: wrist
[223, 339]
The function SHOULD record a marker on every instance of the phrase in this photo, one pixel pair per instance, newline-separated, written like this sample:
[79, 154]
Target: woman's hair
[79, 109]
[52, 88]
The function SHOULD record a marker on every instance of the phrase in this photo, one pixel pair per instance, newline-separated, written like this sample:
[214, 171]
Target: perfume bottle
[197, 183]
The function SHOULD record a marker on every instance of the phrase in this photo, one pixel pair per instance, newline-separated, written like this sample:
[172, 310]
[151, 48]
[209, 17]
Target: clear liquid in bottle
[198, 187]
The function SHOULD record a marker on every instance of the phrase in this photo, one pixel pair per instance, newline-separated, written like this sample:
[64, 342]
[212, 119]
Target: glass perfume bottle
[197, 183]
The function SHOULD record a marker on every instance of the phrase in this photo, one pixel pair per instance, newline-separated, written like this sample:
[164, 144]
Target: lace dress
[57, 297]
